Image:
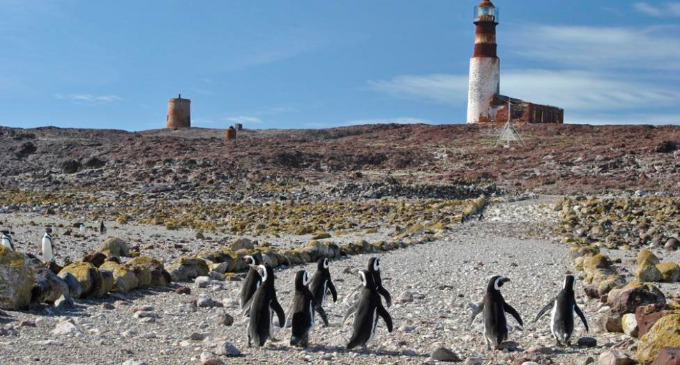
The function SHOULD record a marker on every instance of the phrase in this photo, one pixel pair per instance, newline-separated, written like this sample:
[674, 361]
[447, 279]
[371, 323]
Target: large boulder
[124, 279]
[89, 278]
[16, 280]
[646, 257]
[190, 267]
[668, 356]
[73, 285]
[647, 315]
[48, 287]
[242, 243]
[149, 271]
[115, 247]
[664, 333]
[670, 272]
[648, 273]
[95, 258]
[633, 295]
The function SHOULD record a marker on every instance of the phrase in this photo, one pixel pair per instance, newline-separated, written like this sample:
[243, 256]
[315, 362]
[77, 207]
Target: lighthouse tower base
[485, 76]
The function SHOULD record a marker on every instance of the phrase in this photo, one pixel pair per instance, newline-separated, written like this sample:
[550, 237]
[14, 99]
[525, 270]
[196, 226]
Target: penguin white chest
[374, 323]
[6, 243]
[311, 316]
[553, 323]
[325, 288]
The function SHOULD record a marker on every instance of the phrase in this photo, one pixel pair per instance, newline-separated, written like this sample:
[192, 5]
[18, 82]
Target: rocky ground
[431, 285]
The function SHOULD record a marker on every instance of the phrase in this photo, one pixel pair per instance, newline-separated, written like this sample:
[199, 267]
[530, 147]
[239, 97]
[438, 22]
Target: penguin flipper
[382, 291]
[580, 314]
[279, 311]
[476, 309]
[509, 309]
[331, 287]
[544, 310]
[382, 312]
[246, 307]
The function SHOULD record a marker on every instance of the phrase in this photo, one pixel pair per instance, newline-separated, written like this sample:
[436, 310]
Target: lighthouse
[485, 71]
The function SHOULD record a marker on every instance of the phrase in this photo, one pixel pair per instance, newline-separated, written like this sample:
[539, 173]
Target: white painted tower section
[485, 80]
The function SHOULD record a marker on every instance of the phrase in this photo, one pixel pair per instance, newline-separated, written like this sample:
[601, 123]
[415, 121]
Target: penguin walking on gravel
[368, 311]
[562, 315]
[47, 246]
[7, 239]
[252, 282]
[374, 270]
[263, 302]
[322, 283]
[494, 307]
[102, 228]
[302, 309]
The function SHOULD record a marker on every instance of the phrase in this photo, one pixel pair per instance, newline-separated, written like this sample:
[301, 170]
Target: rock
[70, 166]
[73, 286]
[16, 280]
[67, 328]
[89, 278]
[672, 244]
[192, 267]
[197, 336]
[647, 315]
[95, 258]
[242, 243]
[611, 322]
[115, 247]
[646, 257]
[64, 303]
[444, 354]
[48, 287]
[668, 356]
[633, 295]
[183, 290]
[227, 349]
[134, 362]
[587, 342]
[614, 357]
[205, 301]
[405, 297]
[629, 324]
[537, 350]
[670, 272]
[149, 271]
[208, 358]
[124, 279]
[202, 281]
[664, 333]
[648, 273]
[225, 319]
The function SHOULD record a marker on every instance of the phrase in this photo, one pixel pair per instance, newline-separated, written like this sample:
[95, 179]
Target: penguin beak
[505, 280]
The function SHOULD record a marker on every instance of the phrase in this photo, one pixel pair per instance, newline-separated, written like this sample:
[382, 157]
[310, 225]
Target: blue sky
[323, 63]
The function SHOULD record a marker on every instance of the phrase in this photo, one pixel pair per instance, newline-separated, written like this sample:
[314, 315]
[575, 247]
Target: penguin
[374, 270]
[562, 317]
[102, 228]
[303, 307]
[7, 240]
[368, 310]
[47, 246]
[263, 301]
[252, 282]
[82, 228]
[494, 307]
[321, 282]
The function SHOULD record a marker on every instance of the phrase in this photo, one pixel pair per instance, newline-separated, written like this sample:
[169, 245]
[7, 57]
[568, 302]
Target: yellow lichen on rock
[664, 333]
[16, 280]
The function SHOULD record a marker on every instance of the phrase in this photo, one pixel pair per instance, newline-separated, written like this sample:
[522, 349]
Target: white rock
[67, 328]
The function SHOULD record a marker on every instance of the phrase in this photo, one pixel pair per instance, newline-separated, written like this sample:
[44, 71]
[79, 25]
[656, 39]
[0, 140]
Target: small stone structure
[238, 126]
[179, 113]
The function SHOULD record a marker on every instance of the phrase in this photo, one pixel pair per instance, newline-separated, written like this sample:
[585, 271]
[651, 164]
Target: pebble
[444, 354]
[208, 358]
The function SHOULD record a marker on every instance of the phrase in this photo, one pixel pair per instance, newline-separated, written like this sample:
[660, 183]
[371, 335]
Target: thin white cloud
[670, 9]
[88, 99]
[438, 88]
[647, 9]
[611, 48]
[400, 120]
[244, 119]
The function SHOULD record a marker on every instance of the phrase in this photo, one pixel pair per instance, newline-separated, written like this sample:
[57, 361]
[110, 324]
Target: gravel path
[443, 278]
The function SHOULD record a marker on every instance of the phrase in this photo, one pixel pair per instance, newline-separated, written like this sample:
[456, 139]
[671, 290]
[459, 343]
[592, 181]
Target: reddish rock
[647, 315]
[627, 299]
[183, 290]
[668, 356]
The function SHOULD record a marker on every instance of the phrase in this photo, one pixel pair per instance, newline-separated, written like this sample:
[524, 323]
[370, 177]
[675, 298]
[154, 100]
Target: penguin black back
[369, 309]
[253, 279]
[303, 310]
[322, 283]
[563, 308]
[263, 300]
[495, 306]
[374, 269]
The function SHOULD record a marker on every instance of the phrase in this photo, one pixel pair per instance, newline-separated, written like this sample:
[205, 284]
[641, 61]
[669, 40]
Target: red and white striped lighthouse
[485, 73]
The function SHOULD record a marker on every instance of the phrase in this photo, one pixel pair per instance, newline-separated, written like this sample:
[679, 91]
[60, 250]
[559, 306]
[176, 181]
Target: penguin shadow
[5, 317]
[318, 349]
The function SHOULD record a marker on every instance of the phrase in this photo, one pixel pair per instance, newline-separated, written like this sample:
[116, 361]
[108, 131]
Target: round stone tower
[485, 71]
[179, 113]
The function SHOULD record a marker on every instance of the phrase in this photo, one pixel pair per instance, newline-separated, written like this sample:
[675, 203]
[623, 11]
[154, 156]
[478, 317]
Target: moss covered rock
[16, 280]
[149, 272]
[193, 266]
[646, 257]
[115, 247]
[664, 333]
[48, 287]
[242, 243]
[124, 279]
[647, 273]
[87, 275]
[670, 272]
